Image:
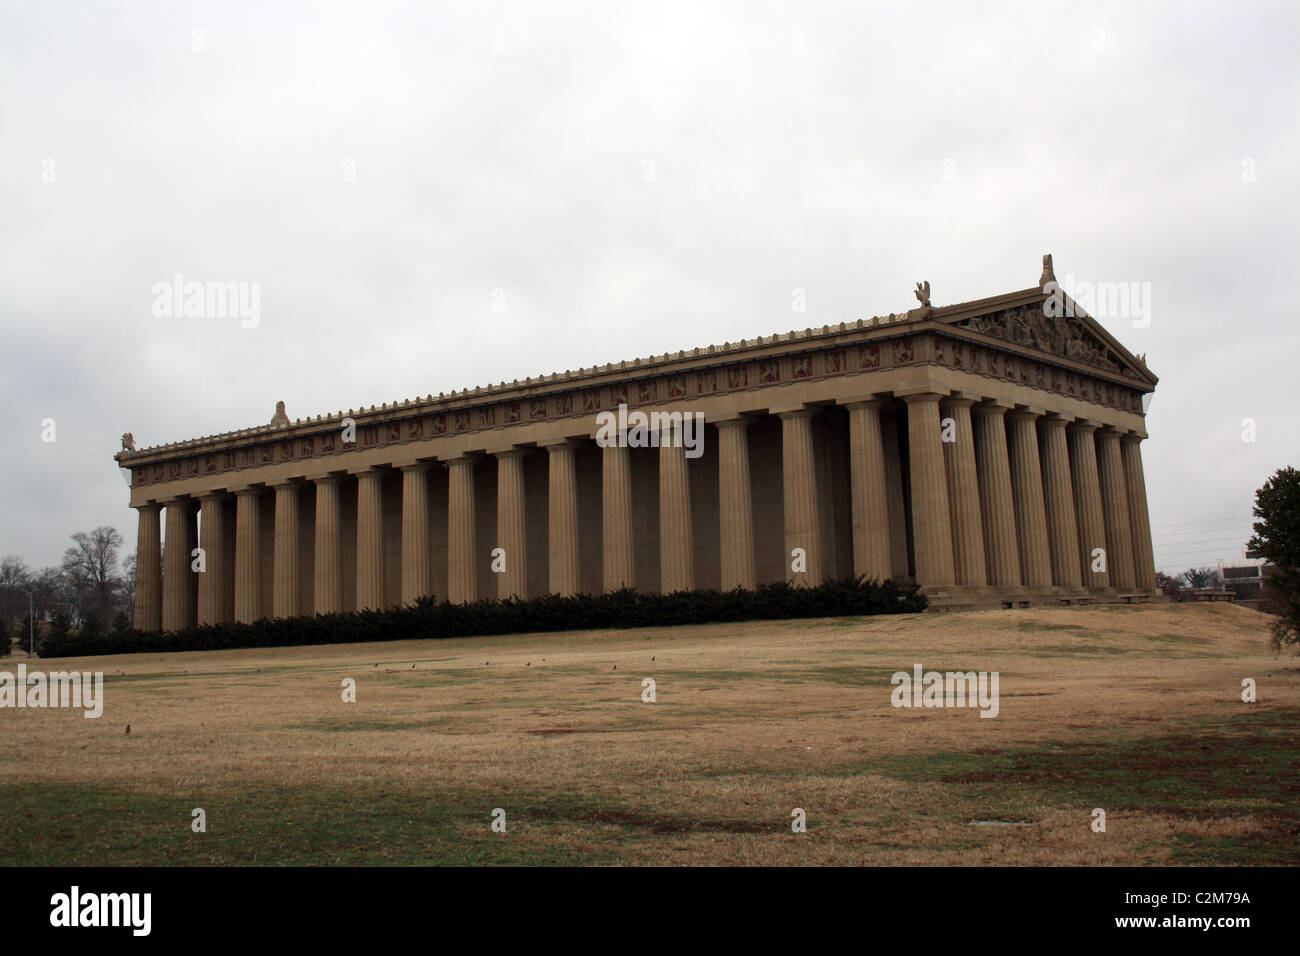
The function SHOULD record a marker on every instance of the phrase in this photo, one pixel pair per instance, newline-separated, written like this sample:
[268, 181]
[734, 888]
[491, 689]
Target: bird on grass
[128, 729]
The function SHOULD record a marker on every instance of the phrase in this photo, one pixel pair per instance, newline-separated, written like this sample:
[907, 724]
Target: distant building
[1244, 577]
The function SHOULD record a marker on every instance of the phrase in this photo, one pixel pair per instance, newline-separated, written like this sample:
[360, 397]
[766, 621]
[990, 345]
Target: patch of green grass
[1081, 650]
[1034, 627]
[75, 825]
[1246, 765]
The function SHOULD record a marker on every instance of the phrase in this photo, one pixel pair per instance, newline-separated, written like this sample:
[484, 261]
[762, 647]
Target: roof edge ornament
[1049, 274]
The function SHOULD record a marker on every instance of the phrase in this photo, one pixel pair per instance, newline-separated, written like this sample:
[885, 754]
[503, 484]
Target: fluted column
[869, 495]
[370, 540]
[964, 494]
[1144, 564]
[462, 572]
[1087, 502]
[417, 580]
[148, 569]
[799, 481]
[616, 518]
[214, 608]
[931, 516]
[1114, 500]
[248, 555]
[676, 537]
[179, 584]
[512, 533]
[562, 518]
[1027, 491]
[993, 469]
[1058, 494]
[898, 559]
[735, 506]
[327, 574]
[286, 576]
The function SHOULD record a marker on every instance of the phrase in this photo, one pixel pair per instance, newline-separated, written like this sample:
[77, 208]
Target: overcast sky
[621, 180]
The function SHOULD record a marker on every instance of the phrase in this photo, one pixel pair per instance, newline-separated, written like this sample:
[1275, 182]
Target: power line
[1214, 521]
[1180, 534]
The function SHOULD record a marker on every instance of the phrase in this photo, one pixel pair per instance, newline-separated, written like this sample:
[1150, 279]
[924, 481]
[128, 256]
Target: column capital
[508, 451]
[1054, 420]
[869, 401]
[555, 444]
[245, 490]
[920, 396]
[919, 393]
[213, 496]
[172, 500]
[733, 421]
[1133, 435]
[150, 505]
[795, 413]
[460, 458]
[991, 407]
[329, 478]
[1084, 425]
[412, 464]
[368, 471]
[957, 401]
[279, 483]
[1034, 411]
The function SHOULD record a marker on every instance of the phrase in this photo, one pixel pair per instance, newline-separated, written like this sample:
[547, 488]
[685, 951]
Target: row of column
[1003, 497]
[995, 505]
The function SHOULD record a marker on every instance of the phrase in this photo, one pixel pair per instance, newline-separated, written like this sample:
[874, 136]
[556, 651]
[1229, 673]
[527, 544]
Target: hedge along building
[989, 451]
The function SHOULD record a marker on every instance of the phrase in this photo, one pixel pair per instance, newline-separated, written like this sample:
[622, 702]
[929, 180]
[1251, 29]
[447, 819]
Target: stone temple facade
[989, 451]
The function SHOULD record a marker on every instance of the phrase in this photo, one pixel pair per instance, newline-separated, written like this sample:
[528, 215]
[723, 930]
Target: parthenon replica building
[988, 451]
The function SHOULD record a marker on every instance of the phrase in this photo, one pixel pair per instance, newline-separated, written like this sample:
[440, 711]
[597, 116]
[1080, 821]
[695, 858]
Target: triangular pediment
[1048, 322]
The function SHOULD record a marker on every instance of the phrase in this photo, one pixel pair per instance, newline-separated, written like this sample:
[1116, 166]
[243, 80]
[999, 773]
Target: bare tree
[91, 568]
[127, 589]
[1199, 577]
[15, 582]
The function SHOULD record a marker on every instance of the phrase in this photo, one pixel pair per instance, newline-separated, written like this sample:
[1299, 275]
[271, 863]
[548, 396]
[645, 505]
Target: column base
[956, 597]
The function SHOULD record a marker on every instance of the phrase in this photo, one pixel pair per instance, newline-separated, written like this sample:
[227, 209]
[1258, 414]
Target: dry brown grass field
[1134, 710]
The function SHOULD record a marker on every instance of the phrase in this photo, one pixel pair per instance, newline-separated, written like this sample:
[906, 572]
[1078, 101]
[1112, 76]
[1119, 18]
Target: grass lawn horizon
[1136, 710]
